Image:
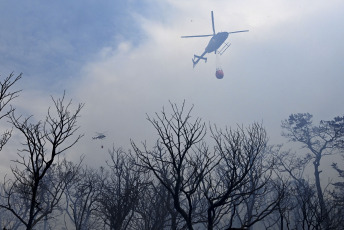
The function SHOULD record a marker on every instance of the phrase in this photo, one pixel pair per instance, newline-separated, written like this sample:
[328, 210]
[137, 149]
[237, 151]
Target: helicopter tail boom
[196, 59]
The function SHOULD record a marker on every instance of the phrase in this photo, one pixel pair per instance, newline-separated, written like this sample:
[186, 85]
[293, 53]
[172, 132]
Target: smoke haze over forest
[125, 60]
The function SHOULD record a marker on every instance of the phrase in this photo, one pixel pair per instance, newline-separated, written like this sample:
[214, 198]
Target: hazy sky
[124, 59]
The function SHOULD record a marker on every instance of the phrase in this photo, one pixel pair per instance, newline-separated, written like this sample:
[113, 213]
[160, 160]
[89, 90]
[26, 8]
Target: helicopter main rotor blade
[212, 21]
[239, 31]
[196, 36]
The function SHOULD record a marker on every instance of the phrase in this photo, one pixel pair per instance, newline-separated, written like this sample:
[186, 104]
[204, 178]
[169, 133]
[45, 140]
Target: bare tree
[81, 198]
[241, 184]
[338, 195]
[209, 187]
[44, 142]
[121, 190]
[6, 96]
[321, 140]
[302, 209]
[8, 220]
[155, 209]
[179, 160]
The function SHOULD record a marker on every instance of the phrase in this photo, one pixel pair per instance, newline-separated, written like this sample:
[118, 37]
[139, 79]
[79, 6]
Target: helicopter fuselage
[101, 136]
[216, 41]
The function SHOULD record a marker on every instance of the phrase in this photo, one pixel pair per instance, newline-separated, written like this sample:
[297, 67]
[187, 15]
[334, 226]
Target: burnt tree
[6, 96]
[44, 141]
[321, 140]
[179, 160]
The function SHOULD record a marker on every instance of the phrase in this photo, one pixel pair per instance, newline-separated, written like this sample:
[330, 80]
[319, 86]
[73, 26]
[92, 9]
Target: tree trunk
[210, 220]
[29, 225]
[281, 227]
[323, 211]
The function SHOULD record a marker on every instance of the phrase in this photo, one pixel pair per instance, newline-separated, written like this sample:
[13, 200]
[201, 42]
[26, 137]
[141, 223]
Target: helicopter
[215, 42]
[100, 136]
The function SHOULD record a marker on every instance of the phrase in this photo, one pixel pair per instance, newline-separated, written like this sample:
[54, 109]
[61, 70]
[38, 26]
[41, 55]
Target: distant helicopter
[215, 42]
[100, 136]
